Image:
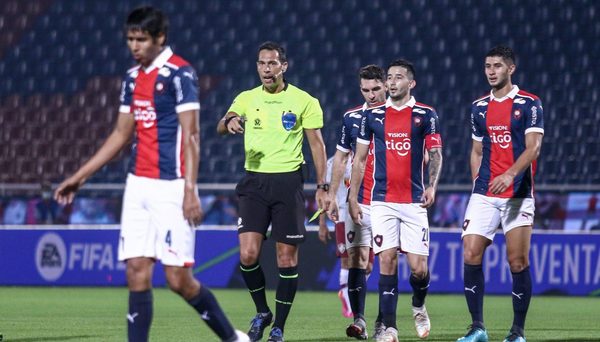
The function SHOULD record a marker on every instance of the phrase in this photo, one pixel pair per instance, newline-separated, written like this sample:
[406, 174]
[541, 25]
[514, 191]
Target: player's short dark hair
[371, 72]
[503, 51]
[405, 64]
[272, 46]
[147, 19]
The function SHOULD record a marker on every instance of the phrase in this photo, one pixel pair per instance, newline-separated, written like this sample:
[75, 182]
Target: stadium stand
[61, 62]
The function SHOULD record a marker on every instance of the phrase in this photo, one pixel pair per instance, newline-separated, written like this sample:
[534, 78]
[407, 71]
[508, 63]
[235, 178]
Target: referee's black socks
[284, 297]
[254, 277]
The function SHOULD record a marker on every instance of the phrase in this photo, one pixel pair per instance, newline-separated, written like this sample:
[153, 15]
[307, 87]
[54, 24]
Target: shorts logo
[341, 248]
[350, 236]
[378, 239]
[288, 120]
[466, 224]
[240, 225]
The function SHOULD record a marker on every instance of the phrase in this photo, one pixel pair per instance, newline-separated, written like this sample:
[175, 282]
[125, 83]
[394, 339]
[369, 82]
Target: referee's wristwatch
[324, 187]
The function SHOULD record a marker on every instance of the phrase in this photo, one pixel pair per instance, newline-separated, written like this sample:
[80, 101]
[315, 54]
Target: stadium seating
[61, 62]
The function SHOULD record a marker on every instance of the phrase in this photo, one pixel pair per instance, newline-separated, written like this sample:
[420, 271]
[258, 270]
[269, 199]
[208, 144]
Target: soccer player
[507, 128]
[159, 102]
[357, 238]
[339, 232]
[400, 131]
[273, 118]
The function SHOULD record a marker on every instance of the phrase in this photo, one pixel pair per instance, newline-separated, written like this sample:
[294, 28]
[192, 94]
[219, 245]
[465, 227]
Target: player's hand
[428, 197]
[333, 210]
[355, 212]
[322, 199]
[499, 184]
[65, 192]
[323, 231]
[192, 211]
[236, 125]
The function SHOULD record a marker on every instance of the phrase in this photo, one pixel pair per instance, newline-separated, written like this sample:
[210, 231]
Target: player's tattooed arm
[435, 166]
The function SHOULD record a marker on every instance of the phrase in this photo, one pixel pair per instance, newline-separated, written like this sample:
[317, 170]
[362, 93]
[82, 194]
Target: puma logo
[518, 295]
[131, 317]
[205, 316]
[355, 290]
[389, 293]
[380, 120]
[471, 289]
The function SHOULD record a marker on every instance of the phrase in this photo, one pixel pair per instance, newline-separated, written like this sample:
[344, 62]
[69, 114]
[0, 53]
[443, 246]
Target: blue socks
[139, 316]
[521, 296]
[388, 298]
[420, 288]
[357, 291]
[474, 282]
[211, 313]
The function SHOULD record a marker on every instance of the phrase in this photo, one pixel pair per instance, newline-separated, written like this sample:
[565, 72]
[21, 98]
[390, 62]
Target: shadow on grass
[48, 338]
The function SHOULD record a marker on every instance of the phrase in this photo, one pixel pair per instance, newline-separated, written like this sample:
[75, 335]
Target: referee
[273, 118]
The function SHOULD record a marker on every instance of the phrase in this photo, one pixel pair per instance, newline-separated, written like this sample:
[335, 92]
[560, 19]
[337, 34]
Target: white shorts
[152, 223]
[400, 225]
[359, 235]
[485, 213]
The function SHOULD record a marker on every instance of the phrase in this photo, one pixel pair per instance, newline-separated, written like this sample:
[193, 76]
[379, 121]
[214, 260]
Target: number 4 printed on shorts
[168, 238]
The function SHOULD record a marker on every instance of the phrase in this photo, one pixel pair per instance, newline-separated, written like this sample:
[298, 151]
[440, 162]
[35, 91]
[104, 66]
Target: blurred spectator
[14, 212]
[90, 211]
[223, 211]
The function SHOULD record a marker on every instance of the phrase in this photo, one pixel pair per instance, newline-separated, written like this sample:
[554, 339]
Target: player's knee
[248, 256]
[419, 272]
[517, 264]
[472, 257]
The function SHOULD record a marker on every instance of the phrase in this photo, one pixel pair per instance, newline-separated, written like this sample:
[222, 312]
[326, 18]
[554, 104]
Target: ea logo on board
[50, 256]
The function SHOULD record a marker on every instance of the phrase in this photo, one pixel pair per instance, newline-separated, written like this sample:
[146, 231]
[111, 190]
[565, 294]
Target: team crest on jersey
[288, 120]
[418, 121]
[350, 236]
[341, 247]
[160, 86]
[378, 239]
[517, 114]
[466, 224]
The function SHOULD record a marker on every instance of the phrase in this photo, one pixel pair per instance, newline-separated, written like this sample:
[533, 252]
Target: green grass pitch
[98, 314]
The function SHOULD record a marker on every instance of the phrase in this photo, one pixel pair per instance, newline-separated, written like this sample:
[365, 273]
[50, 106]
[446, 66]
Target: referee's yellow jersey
[273, 132]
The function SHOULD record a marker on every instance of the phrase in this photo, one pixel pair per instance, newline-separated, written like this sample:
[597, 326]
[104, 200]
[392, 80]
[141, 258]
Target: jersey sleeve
[185, 83]
[534, 118]
[238, 105]
[433, 138]
[126, 94]
[364, 132]
[345, 137]
[476, 132]
[312, 118]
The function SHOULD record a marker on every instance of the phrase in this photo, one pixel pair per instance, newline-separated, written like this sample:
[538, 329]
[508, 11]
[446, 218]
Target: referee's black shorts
[276, 199]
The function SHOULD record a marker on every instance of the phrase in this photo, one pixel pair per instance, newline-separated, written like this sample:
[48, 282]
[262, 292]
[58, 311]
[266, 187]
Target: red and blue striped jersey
[155, 95]
[501, 125]
[400, 136]
[347, 143]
